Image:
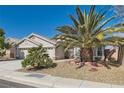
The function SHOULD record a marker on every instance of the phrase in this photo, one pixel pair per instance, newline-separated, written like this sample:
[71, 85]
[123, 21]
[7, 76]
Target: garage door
[23, 53]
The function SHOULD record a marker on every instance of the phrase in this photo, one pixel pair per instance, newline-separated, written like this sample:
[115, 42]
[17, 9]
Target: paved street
[8, 84]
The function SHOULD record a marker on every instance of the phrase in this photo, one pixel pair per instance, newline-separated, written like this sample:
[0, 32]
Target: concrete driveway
[10, 65]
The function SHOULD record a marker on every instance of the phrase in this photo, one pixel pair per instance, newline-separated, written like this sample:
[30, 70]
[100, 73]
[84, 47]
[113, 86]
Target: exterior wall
[11, 53]
[7, 53]
[59, 53]
[51, 52]
[26, 44]
[44, 43]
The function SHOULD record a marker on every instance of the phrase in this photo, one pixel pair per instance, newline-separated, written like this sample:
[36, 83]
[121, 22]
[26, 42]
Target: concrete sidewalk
[48, 81]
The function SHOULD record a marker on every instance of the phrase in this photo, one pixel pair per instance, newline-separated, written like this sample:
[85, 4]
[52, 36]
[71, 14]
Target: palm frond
[80, 16]
[89, 31]
[66, 29]
[74, 21]
[99, 29]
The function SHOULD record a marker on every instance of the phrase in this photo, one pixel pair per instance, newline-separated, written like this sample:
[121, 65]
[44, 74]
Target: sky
[20, 21]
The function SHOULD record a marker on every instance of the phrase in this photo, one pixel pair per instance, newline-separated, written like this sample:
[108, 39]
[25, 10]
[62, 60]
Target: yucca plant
[89, 31]
[37, 58]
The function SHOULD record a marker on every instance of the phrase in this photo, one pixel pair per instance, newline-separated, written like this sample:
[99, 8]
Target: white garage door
[23, 53]
[51, 52]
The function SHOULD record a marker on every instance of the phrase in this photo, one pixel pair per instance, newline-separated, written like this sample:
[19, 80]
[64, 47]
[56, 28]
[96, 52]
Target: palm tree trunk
[86, 55]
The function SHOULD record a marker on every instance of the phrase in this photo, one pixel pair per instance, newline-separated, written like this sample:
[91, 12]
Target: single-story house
[34, 40]
[20, 48]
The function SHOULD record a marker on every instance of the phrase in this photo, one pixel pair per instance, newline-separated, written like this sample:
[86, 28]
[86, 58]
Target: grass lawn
[64, 69]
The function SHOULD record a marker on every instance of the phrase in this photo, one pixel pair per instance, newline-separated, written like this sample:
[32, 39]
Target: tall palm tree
[88, 32]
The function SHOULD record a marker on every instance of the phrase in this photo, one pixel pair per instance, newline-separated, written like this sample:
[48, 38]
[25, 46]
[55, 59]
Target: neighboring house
[11, 53]
[20, 48]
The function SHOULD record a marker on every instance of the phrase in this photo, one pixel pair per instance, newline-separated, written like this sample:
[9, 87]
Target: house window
[99, 51]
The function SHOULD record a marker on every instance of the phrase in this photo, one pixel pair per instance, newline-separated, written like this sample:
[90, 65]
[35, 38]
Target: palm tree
[88, 32]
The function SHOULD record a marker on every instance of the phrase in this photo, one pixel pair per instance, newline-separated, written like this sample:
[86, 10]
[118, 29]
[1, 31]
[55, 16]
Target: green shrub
[38, 58]
[2, 52]
[25, 62]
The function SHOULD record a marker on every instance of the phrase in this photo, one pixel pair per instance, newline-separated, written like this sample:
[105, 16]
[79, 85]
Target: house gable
[44, 42]
[27, 44]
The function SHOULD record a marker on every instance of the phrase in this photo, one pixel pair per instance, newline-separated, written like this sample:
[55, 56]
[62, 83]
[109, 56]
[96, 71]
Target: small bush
[25, 62]
[38, 58]
[2, 52]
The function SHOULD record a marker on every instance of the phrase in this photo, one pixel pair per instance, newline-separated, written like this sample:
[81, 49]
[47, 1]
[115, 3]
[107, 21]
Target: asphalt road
[9, 84]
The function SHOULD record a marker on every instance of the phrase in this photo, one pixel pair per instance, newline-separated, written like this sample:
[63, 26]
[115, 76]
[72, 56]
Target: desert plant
[37, 58]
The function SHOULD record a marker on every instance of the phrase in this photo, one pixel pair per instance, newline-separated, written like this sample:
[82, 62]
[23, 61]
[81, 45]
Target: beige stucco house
[20, 48]
[34, 40]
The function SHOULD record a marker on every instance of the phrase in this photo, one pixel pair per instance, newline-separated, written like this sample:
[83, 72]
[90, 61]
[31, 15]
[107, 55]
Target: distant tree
[3, 45]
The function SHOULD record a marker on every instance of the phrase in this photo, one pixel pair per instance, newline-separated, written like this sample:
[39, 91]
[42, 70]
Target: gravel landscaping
[100, 74]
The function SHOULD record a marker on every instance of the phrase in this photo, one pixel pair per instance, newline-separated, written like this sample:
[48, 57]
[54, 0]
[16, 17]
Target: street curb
[22, 81]
[57, 83]
[39, 85]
